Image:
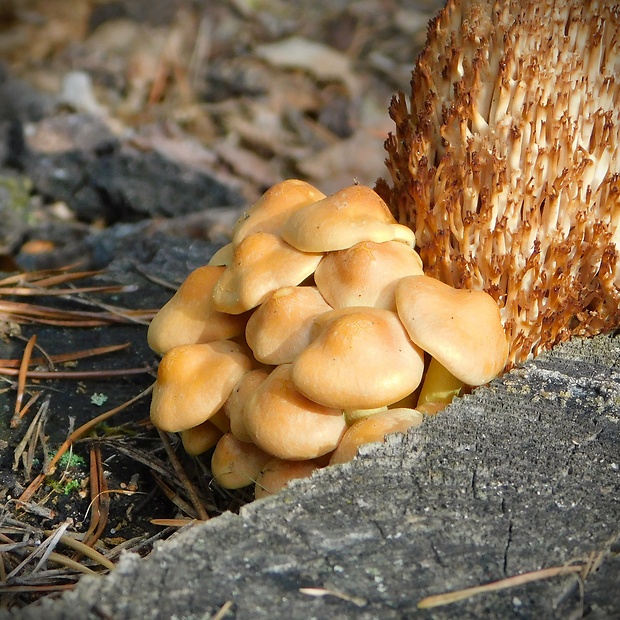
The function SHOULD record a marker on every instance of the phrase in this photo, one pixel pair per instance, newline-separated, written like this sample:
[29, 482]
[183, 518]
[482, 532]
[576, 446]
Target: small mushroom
[274, 207]
[277, 473]
[343, 219]
[201, 438]
[286, 424]
[236, 464]
[460, 328]
[282, 326]
[222, 257]
[190, 317]
[194, 381]
[261, 264]
[361, 358]
[374, 429]
[235, 404]
[366, 274]
[220, 419]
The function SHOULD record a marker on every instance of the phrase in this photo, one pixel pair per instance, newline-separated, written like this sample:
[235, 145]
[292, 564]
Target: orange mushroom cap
[194, 381]
[190, 316]
[361, 358]
[366, 274]
[286, 424]
[343, 219]
[282, 327]
[274, 207]
[460, 328]
[261, 264]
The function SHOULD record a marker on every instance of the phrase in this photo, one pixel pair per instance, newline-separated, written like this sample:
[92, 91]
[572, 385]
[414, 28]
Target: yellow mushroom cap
[261, 264]
[281, 327]
[277, 473]
[361, 358]
[373, 429]
[222, 257]
[366, 274]
[190, 316]
[194, 381]
[343, 219]
[235, 404]
[201, 438]
[274, 207]
[236, 464]
[460, 328]
[286, 424]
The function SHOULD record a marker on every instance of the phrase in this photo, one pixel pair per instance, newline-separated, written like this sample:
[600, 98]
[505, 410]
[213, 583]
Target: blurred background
[174, 115]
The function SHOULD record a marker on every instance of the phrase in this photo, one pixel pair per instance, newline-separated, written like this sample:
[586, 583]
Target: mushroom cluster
[505, 162]
[314, 331]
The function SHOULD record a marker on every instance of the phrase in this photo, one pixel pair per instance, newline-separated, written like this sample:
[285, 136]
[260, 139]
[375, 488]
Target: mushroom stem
[439, 385]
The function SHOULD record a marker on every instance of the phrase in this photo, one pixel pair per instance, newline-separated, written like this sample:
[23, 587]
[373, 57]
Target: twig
[517, 580]
[21, 381]
[86, 550]
[66, 357]
[77, 374]
[191, 491]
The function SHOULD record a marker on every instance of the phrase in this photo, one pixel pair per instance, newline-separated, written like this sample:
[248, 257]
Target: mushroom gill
[505, 163]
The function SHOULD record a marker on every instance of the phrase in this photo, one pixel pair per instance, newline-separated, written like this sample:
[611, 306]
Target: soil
[130, 129]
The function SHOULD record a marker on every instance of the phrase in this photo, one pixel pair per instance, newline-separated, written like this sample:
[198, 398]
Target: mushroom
[201, 438]
[505, 162]
[284, 423]
[366, 274]
[190, 316]
[439, 385]
[343, 219]
[235, 404]
[236, 464]
[282, 326]
[194, 381]
[261, 264]
[361, 358]
[222, 257]
[274, 207]
[374, 429]
[460, 328]
[277, 473]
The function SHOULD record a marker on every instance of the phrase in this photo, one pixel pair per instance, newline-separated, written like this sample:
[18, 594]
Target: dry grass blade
[100, 503]
[175, 498]
[18, 312]
[85, 550]
[48, 277]
[35, 291]
[173, 522]
[67, 357]
[222, 611]
[82, 430]
[21, 381]
[77, 374]
[178, 468]
[34, 434]
[582, 569]
[44, 549]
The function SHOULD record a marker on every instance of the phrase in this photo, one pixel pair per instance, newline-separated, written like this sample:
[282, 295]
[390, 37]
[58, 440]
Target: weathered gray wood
[521, 475]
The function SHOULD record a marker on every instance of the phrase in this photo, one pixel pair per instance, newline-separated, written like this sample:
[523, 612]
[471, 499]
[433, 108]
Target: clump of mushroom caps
[320, 327]
[314, 331]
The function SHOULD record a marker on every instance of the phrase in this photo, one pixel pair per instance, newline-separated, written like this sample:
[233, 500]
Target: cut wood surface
[519, 476]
